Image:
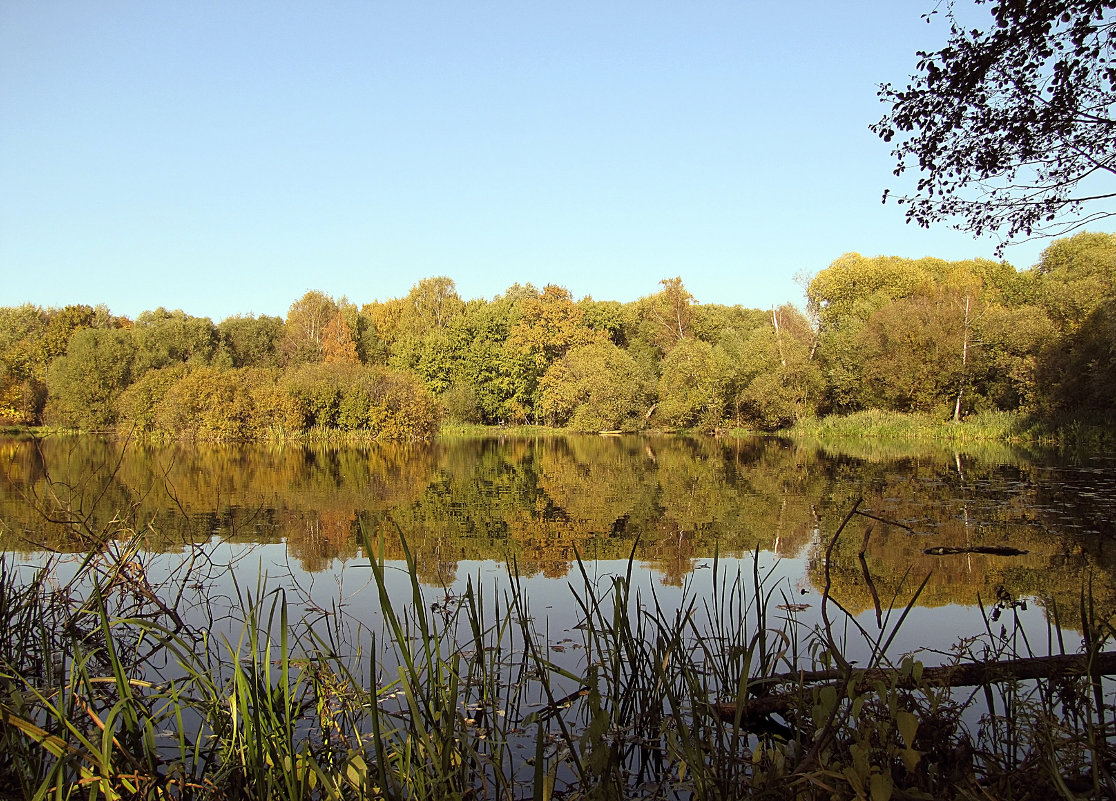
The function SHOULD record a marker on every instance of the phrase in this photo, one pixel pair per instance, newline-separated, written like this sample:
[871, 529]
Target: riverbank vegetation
[120, 679]
[949, 340]
[1091, 432]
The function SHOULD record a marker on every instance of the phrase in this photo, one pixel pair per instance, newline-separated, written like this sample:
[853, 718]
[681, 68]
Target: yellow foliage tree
[338, 345]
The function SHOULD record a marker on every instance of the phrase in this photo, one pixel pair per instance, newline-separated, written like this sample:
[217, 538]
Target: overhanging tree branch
[1021, 114]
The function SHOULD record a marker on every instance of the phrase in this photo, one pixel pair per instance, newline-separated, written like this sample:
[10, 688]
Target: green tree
[842, 298]
[1078, 372]
[595, 387]
[317, 390]
[859, 304]
[608, 316]
[252, 341]
[769, 377]
[711, 320]
[421, 339]
[387, 403]
[1010, 339]
[499, 378]
[1076, 276]
[914, 352]
[461, 404]
[688, 387]
[852, 287]
[85, 383]
[164, 338]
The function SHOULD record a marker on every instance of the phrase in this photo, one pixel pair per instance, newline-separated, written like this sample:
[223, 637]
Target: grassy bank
[477, 431]
[121, 685]
[1005, 427]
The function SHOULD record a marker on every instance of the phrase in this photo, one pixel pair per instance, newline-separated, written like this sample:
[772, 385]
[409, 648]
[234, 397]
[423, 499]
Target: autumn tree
[380, 328]
[431, 305]
[21, 330]
[305, 327]
[913, 350]
[1011, 127]
[140, 406]
[549, 325]
[61, 325]
[338, 343]
[30, 339]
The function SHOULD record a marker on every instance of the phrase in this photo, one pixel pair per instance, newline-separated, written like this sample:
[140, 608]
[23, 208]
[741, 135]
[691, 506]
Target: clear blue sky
[226, 157]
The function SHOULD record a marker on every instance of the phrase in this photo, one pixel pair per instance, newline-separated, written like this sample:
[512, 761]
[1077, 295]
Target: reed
[452, 430]
[107, 690]
[1074, 431]
[876, 424]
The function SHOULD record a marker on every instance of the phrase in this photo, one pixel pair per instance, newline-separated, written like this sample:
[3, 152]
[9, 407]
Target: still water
[560, 513]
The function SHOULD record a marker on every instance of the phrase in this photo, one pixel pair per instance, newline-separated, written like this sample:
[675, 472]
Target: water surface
[479, 508]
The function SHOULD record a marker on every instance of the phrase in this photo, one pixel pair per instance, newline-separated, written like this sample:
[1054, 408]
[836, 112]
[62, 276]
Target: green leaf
[908, 726]
[881, 787]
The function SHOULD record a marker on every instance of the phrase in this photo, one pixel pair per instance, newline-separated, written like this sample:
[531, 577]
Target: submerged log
[995, 550]
[970, 674]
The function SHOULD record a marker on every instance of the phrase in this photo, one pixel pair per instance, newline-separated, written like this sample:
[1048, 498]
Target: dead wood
[995, 550]
[964, 675]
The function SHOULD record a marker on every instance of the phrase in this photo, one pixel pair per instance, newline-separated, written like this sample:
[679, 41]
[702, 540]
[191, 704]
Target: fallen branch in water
[966, 675]
[995, 550]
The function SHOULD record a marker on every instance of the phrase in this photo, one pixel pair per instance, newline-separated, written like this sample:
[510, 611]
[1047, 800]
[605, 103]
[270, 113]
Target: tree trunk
[964, 363]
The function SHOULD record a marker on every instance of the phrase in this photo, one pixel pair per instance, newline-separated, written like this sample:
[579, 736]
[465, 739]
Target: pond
[577, 601]
[475, 507]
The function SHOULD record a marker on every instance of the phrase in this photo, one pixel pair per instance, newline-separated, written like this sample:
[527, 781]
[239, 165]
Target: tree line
[926, 335]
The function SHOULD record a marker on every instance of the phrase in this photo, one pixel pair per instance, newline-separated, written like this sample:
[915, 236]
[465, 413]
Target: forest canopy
[917, 335]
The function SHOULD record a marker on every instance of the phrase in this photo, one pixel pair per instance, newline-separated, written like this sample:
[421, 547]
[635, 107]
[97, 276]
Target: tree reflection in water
[542, 502]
